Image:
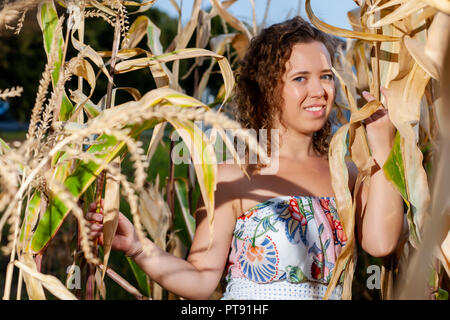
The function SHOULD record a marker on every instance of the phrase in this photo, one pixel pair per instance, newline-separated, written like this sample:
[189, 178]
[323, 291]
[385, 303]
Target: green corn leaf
[442, 294]
[3, 146]
[31, 216]
[183, 216]
[76, 183]
[141, 277]
[394, 168]
[204, 160]
[48, 20]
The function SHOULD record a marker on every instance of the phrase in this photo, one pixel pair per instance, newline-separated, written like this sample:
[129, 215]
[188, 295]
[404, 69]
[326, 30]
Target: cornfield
[74, 150]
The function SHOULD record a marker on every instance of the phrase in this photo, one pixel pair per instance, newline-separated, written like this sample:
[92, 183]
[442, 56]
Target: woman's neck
[296, 146]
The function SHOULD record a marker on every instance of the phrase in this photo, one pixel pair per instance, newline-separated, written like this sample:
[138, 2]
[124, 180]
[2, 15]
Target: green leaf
[48, 20]
[3, 146]
[141, 277]
[31, 216]
[183, 217]
[76, 183]
[394, 168]
[204, 160]
[442, 294]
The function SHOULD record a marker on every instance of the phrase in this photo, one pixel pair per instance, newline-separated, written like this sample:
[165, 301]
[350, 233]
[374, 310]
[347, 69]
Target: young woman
[278, 235]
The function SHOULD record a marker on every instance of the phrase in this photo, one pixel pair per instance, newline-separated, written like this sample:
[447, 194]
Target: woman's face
[308, 92]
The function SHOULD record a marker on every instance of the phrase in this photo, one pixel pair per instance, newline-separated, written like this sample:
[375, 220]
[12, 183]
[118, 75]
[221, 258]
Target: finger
[366, 95]
[94, 216]
[93, 206]
[384, 91]
[96, 227]
[95, 235]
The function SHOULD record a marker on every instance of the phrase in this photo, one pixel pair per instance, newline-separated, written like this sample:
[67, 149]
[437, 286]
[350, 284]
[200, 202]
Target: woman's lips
[316, 110]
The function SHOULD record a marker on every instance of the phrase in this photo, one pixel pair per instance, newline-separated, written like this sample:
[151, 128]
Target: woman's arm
[379, 210]
[198, 276]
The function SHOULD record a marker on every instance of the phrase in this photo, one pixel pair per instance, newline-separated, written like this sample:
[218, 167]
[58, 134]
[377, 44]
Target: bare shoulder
[352, 174]
[231, 182]
[229, 172]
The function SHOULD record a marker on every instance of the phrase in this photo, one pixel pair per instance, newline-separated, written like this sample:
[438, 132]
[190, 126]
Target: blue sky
[333, 12]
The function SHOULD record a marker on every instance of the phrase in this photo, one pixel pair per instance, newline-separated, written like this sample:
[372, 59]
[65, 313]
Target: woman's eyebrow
[308, 72]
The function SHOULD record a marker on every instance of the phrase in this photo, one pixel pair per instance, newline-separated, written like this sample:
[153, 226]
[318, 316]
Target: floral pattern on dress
[330, 212]
[259, 262]
[296, 218]
[307, 230]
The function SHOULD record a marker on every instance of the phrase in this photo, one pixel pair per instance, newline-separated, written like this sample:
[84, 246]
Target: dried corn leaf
[51, 283]
[354, 17]
[230, 19]
[176, 6]
[445, 249]
[240, 44]
[136, 64]
[135, 33]
[110, 211]
[405, 10]
[325, 27]
[203, 32]
[34, 288]
[103, 8]
[124, 54]
[82, 101]
[155, 214]
[339, 182]
[141, 27]
[218, 45]
[415, 48]
[183, 37]
[389, 55]
[430, 56]
[99, 280]
[441, 5]
[157, 135]
[377, 7]
[403, 102]
[346, 207]
[84, 69]
[91, 54]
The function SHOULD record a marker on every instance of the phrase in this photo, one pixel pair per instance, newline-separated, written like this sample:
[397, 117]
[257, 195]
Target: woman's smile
[316, 110]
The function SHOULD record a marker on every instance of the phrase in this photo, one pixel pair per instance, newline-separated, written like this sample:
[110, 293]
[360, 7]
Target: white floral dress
[285, 248]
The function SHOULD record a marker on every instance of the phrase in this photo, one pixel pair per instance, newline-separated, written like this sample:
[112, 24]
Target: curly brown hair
[259, 81]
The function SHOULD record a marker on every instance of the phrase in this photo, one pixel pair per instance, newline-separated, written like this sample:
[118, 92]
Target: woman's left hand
[380, 131]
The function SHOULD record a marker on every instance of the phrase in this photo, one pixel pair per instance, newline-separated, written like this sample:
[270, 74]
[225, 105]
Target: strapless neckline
[282, 198]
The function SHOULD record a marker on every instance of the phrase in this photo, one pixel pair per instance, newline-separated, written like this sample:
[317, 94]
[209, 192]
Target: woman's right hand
[125, 239]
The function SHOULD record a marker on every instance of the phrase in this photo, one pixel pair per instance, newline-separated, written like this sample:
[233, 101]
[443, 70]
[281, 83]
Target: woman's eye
[328, 77]
[299, 79]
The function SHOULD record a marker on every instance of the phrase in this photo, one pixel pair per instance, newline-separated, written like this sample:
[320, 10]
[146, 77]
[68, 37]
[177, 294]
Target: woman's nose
[316, 88]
